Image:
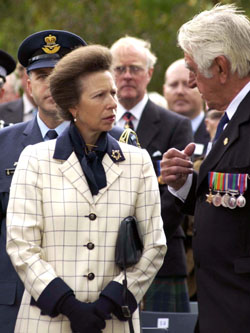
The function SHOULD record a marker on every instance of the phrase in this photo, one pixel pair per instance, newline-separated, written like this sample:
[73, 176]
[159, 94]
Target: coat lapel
[71, 169]
[226, 140]
[149, 119]
[31, 134]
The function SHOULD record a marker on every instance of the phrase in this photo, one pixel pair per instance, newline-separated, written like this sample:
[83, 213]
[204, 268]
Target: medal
[226, 196]
[242, 186]
[218, 185]
[210, 185]
[217, 199]
[224, 200]
[232, 202]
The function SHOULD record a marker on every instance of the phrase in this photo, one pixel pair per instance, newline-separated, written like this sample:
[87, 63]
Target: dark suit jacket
[12, 112]
[221, 241]
[202, 136]
[158, 130]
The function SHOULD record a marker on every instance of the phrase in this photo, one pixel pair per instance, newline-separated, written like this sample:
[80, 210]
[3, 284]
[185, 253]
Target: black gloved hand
[83, 317]
[104, 307]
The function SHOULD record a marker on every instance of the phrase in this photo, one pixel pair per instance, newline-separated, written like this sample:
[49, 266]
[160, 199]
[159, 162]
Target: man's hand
[176, 166]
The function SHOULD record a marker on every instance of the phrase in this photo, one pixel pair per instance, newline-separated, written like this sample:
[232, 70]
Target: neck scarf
[91, 161]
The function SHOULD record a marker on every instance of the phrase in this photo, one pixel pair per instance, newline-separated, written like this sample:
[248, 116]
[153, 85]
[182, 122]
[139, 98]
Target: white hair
[136, 43]
[222, 31]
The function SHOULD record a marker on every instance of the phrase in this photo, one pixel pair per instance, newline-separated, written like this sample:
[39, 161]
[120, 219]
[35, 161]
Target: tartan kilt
[167, 295]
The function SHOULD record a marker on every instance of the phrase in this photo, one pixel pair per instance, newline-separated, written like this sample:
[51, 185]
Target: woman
[67, 199]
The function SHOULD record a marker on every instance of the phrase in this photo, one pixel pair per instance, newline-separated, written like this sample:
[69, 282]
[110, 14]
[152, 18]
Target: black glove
[104, 307]
[83, 317]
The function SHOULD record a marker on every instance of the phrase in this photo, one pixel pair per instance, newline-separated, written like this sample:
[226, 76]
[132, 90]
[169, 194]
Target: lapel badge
[116, 154]
[225, 141]
[51, 47]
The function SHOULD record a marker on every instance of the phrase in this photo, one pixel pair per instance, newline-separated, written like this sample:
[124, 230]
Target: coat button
[92, 216]
[91, 276]
[90, 246]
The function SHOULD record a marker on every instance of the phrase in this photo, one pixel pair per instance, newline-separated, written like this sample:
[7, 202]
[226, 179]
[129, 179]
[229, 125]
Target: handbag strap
[125, 309]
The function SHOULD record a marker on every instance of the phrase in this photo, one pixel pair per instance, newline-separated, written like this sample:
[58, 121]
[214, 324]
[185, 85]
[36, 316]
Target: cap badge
[51, 47]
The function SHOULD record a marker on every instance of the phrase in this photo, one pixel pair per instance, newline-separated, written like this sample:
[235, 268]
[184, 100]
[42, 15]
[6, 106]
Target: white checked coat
[49, 227]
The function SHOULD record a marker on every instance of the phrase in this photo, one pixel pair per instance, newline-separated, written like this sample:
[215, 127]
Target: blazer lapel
[149, 119]
[112, 171]
[31, 134]
[225, 141]
[71, 169]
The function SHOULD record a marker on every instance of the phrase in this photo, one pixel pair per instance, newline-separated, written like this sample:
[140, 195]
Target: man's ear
[223, 68]
[29, 87]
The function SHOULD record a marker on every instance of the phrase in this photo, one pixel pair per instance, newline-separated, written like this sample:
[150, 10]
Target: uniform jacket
[13, 140]
[53, 216]
[221, 241]
[159, 130]
[12, 112]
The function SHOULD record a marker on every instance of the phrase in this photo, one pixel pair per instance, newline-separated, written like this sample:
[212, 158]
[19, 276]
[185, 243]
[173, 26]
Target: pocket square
[157, 154]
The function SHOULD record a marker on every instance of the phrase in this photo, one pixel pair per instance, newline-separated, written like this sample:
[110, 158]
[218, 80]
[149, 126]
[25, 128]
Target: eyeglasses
[133, 69]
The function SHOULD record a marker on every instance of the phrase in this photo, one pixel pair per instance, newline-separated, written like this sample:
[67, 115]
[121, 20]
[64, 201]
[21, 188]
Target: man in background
[157, 129]
[186, 101]
[11, 88]
[23, 108]
[7, 66]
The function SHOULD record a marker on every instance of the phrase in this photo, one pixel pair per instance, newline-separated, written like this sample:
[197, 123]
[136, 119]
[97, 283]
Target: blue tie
[224, 120]
[51, 134]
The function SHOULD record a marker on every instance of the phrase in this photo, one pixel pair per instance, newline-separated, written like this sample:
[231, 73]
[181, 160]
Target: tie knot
[51, 134]
[128, 117]
[224, 120]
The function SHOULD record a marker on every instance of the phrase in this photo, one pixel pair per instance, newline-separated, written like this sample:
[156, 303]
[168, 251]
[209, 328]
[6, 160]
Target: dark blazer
[221, 241]
[202, 136]
[158, 130]
[12, 112]
[13, 139]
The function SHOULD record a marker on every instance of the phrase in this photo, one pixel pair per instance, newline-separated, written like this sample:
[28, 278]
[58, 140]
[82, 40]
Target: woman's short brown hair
[65, 80]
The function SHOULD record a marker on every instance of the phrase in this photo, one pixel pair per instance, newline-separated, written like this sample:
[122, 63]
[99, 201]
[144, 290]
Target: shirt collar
[27, 105]
[44, 128]
[136, 110]
[231, 109]
[196, 121]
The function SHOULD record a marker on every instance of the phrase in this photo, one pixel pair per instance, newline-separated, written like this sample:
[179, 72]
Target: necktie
[224, 120]
[128, 117]
[51, 134]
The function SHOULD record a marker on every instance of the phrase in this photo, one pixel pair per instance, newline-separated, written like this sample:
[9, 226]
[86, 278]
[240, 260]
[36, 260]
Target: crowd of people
[68, 179]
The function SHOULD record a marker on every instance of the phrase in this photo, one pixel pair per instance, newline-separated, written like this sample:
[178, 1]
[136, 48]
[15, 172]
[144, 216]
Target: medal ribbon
[242, 182]
[233, 182]
[219, 181]
[210, 179]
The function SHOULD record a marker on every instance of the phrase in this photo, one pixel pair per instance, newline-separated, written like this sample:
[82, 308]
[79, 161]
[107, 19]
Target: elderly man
[186, 101]
[158, 130]
[216, 44]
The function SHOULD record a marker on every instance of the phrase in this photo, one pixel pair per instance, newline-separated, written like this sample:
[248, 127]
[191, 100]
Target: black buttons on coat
[91, 276]
[91, 216]
[90, 246]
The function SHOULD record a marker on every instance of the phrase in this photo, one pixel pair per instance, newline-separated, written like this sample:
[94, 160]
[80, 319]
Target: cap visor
[48, 63]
